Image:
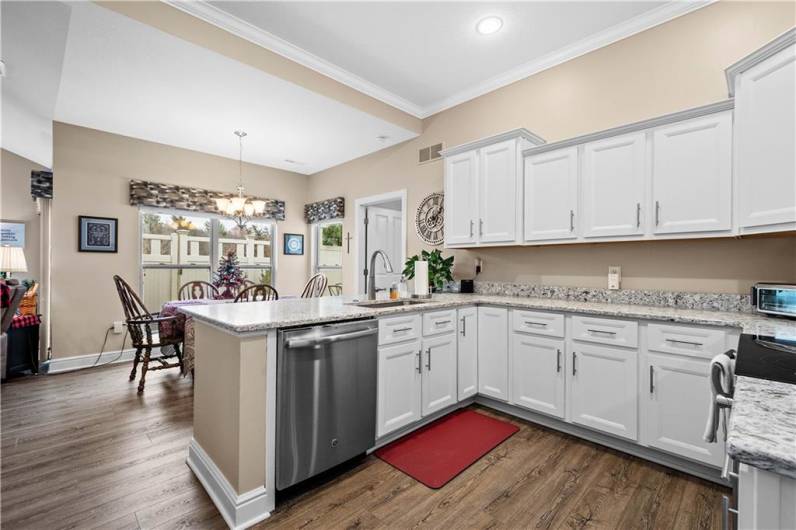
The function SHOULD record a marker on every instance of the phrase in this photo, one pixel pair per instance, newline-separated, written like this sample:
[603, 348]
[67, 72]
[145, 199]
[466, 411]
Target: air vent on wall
[429, 154]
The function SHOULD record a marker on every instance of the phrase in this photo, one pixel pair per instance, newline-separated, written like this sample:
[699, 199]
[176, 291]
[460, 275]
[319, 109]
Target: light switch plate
[614, 277]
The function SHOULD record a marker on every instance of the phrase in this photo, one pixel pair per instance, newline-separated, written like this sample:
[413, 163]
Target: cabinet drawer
[437, 322]
[537, 322]
[605, 331]
[685, 340]
[399, 329]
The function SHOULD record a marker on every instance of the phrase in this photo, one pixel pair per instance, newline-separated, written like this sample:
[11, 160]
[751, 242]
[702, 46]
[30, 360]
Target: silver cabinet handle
[532, 323]
[601, 331]
[657, 213]
[726, 511]
[638, 215]
[428, 353]
[689, 342]
[441, 322]
[572, 220]
[471, 228]
[419, 361]
[480, 227]
[401, 330]
[558, 361]
[652, 381]
[574, 358]
[464, 326]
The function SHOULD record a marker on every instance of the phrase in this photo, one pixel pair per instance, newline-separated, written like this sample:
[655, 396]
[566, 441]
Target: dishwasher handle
[313, 341]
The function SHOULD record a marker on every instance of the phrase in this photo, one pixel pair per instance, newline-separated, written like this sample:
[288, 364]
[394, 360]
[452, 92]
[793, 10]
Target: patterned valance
[41, 184]
[324, 210]
[143, 193]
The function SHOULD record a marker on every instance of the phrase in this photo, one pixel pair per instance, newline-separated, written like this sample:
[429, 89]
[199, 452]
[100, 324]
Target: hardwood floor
[83, 450]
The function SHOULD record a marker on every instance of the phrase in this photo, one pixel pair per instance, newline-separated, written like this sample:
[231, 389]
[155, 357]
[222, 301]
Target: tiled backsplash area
[703, 301]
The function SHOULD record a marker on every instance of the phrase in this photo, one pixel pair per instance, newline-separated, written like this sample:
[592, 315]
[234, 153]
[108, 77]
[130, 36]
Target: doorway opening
[380, 225]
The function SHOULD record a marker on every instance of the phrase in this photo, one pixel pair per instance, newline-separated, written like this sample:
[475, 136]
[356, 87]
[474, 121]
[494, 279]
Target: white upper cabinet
[765, 136]
[692, 175]
[551, 194]
[461, 198]
[497, 195]
[613, 186]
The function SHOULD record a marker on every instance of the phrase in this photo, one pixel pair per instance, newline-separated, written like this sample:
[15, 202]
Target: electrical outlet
[118, 326]
[614, 277]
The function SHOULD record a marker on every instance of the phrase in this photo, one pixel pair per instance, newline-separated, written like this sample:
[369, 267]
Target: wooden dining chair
[140, 324]
[257, 293]
[315, 286]
[198, 290]
[335, 289]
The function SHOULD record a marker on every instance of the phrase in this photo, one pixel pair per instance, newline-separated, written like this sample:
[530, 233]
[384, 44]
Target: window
[178, 247]
[328, 251]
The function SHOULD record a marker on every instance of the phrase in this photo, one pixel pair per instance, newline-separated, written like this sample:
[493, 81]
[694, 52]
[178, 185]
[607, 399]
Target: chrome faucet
[372, 272]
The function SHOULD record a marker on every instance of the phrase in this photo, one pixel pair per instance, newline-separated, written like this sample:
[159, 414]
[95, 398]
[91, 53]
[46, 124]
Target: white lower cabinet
[439, 373]
[493, 352]
[467, 352]
[537, 371]
[765, 500]
[399, 387]
[603, 388]
[675, 409]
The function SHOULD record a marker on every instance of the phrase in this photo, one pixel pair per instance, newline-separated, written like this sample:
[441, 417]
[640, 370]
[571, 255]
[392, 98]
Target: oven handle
[313, 341]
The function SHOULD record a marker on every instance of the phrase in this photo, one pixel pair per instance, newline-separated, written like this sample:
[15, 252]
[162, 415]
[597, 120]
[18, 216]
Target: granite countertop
[259, 317]
[762, 430]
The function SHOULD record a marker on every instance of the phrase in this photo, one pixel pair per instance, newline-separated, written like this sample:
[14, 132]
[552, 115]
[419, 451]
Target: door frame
[359, 218]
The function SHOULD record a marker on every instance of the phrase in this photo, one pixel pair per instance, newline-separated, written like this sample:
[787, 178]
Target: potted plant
[439, 268]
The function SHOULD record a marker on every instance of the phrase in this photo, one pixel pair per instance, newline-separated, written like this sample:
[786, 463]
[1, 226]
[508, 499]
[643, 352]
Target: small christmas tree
[228, 277]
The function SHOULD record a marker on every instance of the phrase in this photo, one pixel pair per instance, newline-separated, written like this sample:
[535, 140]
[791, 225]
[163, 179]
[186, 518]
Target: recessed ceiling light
[382, 138]
[489, 25]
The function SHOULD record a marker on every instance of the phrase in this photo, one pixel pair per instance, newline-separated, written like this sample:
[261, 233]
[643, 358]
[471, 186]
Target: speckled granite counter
[762, 429]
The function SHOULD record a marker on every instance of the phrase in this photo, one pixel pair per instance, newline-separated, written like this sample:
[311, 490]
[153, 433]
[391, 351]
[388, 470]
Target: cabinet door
[439, 373]
[551, 184]
[603, 389]
[676, 407]
[765, 132]
[537, 372]
[461, 192]
[399, 386]
[691, 175]
[493, 352]
[613, 186]
[468, 352]
[497, 222]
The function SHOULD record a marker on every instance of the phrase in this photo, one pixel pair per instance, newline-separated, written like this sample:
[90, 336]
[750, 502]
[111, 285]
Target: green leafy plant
[439, 268]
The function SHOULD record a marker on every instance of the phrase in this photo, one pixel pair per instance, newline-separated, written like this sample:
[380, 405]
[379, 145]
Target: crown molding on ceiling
[219, 18]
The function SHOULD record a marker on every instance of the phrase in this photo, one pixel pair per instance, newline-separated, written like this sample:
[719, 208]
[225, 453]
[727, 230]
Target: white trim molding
[761, 54]
[535, 139]
[232, 24]
[238, 510]
[91, 360]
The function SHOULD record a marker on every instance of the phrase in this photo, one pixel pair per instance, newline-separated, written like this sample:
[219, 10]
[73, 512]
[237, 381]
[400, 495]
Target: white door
[551, 194]
[384, 233]
[676, 407]
[461, 198]
[765, 133]
[497, 195]
[603, 388]
[439, 373]
[613, 186]
[468, 352]
[691, 175]
[537, 372]
[399, 386]
[493, 352]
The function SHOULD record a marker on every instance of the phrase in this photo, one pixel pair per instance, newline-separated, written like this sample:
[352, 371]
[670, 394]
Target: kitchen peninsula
[233, 447]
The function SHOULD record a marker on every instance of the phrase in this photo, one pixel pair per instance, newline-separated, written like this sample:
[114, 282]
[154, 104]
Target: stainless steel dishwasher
[326, 397]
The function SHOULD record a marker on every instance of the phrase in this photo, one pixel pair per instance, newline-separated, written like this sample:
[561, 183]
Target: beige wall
[92, 172]
[16, 204]
[672, 67]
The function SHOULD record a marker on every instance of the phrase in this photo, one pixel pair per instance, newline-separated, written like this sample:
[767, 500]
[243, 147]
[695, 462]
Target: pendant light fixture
[240, 208]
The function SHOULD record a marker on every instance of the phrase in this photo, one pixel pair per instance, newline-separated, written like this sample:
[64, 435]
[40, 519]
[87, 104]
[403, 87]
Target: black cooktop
[766, 357]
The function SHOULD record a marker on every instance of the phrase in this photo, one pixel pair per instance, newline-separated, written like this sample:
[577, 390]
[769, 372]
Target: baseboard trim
[79, 362]
[239, 511]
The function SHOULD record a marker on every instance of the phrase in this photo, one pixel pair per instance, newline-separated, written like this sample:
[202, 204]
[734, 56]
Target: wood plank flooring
[83, 450]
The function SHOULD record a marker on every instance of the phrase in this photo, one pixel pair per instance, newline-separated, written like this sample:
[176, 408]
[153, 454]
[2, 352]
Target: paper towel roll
[421, 278]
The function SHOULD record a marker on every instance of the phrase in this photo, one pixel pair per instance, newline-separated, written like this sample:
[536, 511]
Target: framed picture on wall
[97, 234]
[294, 244]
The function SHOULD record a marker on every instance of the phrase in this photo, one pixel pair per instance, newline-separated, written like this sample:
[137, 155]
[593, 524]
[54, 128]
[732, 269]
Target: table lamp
[12, 259]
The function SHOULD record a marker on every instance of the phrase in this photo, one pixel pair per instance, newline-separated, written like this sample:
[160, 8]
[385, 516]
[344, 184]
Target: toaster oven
[775, 299]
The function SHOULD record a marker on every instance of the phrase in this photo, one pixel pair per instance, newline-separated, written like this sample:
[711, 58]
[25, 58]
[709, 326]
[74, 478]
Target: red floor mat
[441, 450]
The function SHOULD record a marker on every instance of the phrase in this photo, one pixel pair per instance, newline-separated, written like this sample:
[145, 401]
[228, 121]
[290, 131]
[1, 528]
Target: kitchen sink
[376, 304]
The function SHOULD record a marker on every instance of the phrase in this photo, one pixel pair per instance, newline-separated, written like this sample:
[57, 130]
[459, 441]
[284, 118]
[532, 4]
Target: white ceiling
[128, 78]
[424, 57]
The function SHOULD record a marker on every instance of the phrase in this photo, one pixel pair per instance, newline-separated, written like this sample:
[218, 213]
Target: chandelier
[240, 208]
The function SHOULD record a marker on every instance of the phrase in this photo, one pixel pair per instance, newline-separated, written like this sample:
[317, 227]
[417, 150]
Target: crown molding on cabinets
[481, 142]
[634, 127]
[761, 54]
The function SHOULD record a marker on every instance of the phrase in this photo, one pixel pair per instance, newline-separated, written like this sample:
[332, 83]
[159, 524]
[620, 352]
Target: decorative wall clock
[430, 219]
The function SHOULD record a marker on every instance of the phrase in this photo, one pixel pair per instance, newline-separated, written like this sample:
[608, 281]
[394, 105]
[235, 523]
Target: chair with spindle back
[335, 289]
[198, 290]
[139, 324]
[257, 293]
[315, 286]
